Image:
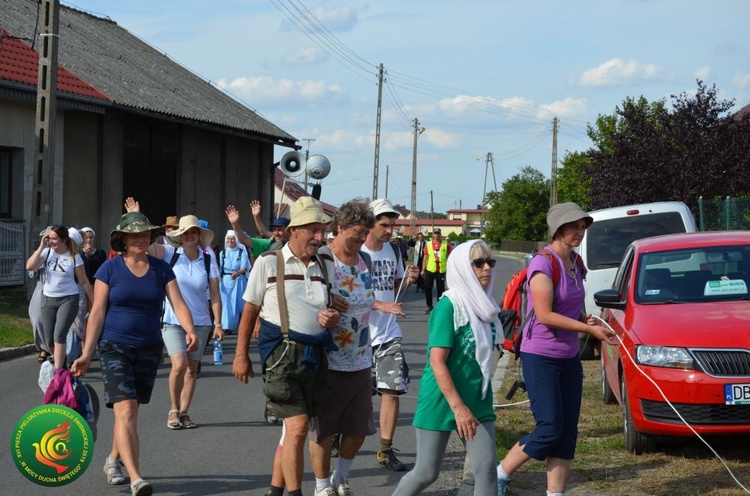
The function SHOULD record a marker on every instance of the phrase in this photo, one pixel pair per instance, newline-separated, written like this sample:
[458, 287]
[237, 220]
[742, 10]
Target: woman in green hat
[125, 324]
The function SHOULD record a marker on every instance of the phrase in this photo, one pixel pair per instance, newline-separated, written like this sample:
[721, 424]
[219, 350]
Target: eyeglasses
[479, 262]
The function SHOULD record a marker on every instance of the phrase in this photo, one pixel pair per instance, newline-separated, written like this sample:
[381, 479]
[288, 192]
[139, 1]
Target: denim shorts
[128, 371]
[174, 340]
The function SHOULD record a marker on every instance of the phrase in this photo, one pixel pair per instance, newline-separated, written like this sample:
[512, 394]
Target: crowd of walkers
[321, 295]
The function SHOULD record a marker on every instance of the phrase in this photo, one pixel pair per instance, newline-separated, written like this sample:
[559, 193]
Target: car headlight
[664, 356]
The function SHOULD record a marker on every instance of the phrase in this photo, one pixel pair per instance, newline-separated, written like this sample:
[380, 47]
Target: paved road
[231, 451]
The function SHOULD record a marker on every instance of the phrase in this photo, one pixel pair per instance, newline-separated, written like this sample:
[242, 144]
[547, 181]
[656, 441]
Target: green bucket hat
[132, 223]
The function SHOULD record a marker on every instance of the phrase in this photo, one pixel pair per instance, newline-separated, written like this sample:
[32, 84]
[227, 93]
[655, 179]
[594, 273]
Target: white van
[612, 231]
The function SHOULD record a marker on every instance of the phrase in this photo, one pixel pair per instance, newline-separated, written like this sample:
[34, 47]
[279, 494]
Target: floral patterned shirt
[352, 334]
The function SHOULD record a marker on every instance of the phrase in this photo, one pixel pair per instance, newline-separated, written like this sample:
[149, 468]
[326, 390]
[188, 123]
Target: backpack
[515, 299]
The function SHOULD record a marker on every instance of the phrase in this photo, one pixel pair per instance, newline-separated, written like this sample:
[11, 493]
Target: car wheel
[635, 442]
[608, 396]
[586, 346]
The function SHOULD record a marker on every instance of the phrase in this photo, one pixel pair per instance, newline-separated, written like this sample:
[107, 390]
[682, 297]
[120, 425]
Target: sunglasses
[479, 262]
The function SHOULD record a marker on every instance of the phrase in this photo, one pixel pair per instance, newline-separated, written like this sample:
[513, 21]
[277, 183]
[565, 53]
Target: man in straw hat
[291, 296]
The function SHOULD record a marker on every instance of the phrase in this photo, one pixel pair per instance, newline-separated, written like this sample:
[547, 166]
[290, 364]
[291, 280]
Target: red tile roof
[19, 63]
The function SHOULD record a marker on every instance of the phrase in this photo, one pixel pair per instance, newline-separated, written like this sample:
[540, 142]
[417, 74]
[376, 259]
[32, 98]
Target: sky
[481, 76]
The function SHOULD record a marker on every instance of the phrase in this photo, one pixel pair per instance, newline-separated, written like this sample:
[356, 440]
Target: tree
[519, 210]
[573, 180]
[646, 152]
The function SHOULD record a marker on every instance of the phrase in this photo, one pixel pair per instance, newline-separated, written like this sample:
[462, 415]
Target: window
[6, 176]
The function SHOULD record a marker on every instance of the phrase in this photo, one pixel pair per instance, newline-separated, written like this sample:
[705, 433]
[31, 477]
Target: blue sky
[480, 75]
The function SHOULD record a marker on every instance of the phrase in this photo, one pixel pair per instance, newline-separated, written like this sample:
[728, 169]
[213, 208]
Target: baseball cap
[381, 206]
[437, 231]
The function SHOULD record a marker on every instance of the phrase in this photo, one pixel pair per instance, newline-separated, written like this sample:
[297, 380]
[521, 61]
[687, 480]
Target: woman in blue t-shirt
[549, 352]
[125, 322]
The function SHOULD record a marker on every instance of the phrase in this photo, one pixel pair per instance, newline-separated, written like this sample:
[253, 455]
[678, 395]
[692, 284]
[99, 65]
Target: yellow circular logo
[52, 445]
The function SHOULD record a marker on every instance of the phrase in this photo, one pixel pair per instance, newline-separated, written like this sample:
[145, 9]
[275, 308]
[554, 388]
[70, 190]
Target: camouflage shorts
[390, 368]
[128, 371]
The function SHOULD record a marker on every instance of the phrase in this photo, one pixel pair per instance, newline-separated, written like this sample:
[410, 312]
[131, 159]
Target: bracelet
[217, 325]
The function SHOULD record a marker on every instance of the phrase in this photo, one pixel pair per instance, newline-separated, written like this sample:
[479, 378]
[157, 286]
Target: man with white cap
[289, 290]
[391, 370]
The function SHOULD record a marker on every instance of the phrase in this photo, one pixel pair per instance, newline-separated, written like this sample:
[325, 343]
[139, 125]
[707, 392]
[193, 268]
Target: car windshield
[607, 239]
[694, 275]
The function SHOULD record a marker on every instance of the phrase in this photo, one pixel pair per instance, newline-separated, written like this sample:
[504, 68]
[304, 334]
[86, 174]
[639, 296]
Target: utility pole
[417, 132]
[307, 156]
[432, 212]
[489, 161]
[386, 181]
[46, 122]
[377, 136]
[553, 180]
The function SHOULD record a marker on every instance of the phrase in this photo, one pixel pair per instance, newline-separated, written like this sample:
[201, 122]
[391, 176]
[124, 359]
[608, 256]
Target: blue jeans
[555, 388]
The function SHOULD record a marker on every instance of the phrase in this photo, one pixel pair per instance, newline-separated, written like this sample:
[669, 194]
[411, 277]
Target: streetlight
[417, 132]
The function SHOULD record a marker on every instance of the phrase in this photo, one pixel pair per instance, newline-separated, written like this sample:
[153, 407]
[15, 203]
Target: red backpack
[515, 299]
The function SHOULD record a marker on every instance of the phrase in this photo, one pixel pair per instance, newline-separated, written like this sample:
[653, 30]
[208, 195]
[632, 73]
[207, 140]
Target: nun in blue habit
[234, 266]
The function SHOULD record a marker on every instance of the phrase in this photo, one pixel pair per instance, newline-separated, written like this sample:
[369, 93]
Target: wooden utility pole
[377, 136]
[43, 184]
[553, 179]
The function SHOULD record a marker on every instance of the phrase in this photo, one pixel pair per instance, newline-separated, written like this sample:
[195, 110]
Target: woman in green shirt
[455, 392]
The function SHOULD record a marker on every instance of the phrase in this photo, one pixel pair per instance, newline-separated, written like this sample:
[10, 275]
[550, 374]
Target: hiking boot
[336, 446]
[503, 487]
[387, 458]
[270, 414]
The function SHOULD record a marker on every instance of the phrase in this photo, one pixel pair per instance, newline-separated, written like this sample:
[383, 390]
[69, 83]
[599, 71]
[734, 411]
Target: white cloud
[461, 104]
[304, 56]
[568, 107]
[335, 20]
[268, 89]
[741, 80]
[617, 71]
[703, 73]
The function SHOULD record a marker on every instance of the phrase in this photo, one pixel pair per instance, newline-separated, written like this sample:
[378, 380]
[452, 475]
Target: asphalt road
[231, 450]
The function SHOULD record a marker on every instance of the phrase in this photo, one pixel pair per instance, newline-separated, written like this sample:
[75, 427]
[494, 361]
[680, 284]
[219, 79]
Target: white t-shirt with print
[352, 334]
[191, 278]
[386, 270]
[59, 273]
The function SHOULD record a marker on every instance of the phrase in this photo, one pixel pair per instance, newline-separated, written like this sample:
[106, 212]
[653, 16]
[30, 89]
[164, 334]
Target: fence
[723, 214]
[12, 259]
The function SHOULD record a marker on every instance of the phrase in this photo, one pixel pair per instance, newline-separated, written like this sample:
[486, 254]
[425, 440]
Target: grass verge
[15, 327]
[679, 466]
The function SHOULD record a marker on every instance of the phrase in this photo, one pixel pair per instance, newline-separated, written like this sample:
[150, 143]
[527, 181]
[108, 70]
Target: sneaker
[336, 446]
[326, 491]
[343, 487]
[113, 471]
[270, 414]
[141, 488]
[387, 458]
[503, 486]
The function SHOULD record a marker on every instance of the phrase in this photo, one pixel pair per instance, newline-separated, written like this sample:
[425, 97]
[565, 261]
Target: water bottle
[218, 353]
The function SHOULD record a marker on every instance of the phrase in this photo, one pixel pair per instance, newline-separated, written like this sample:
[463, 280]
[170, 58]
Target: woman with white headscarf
[455, 391]
[233, 267]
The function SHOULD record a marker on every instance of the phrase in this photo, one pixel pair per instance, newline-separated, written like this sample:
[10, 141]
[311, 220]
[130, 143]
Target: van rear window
[607, 239]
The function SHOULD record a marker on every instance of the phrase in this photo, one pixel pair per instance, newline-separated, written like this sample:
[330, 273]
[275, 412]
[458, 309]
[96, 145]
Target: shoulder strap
[395, 251]
[280, 292]
[368, 260]
[555, 266]
[325, 253]
[207, 266]
[174, 258]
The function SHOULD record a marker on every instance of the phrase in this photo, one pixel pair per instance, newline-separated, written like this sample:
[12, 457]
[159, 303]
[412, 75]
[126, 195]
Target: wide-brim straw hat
[132, 223]
[307, 210]
[188, 222]
[565, 213]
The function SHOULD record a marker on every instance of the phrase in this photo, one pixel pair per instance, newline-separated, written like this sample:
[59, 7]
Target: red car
[680, 304]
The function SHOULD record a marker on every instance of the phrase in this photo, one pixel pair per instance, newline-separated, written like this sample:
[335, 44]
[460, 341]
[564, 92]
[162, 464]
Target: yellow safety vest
[442, 254]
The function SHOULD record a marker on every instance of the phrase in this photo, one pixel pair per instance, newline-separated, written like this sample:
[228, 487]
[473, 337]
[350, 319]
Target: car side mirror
[609, 298]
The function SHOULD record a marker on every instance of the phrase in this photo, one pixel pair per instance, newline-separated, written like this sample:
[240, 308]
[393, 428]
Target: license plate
[737, 394]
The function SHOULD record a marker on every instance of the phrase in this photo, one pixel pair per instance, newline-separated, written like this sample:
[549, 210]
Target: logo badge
[52, 445]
